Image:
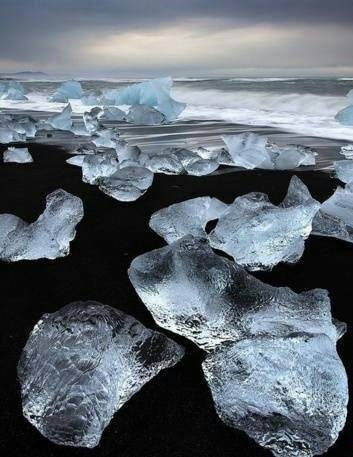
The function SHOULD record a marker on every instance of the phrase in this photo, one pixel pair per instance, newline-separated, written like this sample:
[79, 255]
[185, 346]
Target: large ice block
[96, 166]
[344, 170]
[145, 115]
[81, 364]
[345, 116]
[68, 90]
[61, 121]
[17, 155]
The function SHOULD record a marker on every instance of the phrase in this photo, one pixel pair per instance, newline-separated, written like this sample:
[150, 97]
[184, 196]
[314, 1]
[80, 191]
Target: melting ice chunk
[61, 121]
[209, 299]
[76, 160]
[112, 113]
[8, 135]
[345, 116]
[259, 234]
[81, 364]
[335, 218]
[127, 184]
[68, 90]
[18, 155]
[105, 138]
[15, 94]
[186, 218]
[250, 150]
[347, 151]
[90, 99]
[90, 119]
[344, 170]
[48, 237]
[145, 115]
[289, 394]
[96, 166]
[13, 90]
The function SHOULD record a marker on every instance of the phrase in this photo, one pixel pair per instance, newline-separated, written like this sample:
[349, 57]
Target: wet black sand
[173, 415]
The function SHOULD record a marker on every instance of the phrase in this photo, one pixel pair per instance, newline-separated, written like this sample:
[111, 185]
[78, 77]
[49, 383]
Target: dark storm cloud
[33, 30]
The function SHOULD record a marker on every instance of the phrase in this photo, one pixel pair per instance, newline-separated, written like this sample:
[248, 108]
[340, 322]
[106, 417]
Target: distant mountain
[24, 75]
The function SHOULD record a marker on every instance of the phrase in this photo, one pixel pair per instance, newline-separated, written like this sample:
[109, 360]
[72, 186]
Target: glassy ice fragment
[48, 237]
[105, 138]
[344, 170]
[112, 113]
[90, 119]
[96, 166]
[81, 364]
[61, 121]
[68, 90]
[345, 116]
[76, 160]
[347, 151]
[18, 155]
[145, 115]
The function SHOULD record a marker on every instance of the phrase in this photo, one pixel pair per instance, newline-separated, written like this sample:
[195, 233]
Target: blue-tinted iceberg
[13, 90]
[48, 237]
[61, 121]
[112, 113]
[345, 116]
[68, 90]
[81, 364]
[17, 155]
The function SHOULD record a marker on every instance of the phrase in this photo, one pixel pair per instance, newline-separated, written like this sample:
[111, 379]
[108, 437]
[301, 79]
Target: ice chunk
[112, 113]
[186, 218]
[201, 167]
[96, 166]
[347, 151]
[106, 138]
[48, 237]
[209, 299]
[14, 94]
[76, 160]
[68, 90]
[81, 364]
[154, 93]
[344, 170]
[18, 155]
[127, 153]
[90, 119]
[90, 99]
[249, 150]
[13, 90]
[259, 234]
[8, 135]
[61, 121]
[345, 116]
[335, 218]
[289, 394]
[25, 125]
[127, 184]
[145, 115]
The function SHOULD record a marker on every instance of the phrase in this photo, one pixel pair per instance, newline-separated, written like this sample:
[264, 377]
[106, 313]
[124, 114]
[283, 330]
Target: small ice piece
[15, 94]
[81, 364]
[201, 167]
[96, 166]
[161, 162]
[127, 153]
[347, 151]
[335, 218]
[18, 155]
[90, 99]
[25, 125]
[68, 90]
[8, 135]
[250, 150]
[90, 119]
[192, 291]
[127, 184]
[105, 138]
[344, 170]
[61, 121]
[289, 394]
[145, 115]
[76, 160]
[186, 218]
[345, 116]
[259, 235]
[48, 237]
[112, 113]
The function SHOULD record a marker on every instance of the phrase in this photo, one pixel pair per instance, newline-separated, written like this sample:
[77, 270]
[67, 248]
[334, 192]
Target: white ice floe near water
[48, 237]
[17, 155]
[81, 364]
[250, 150]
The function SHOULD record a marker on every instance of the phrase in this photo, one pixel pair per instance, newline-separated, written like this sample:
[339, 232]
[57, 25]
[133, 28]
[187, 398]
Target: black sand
[173, 415]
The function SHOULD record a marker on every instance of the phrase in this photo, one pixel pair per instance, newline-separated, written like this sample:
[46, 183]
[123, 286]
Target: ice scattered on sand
[347, 151]
[250, 150]
[145, 115]
[48, 237]
[96, 166]
[112, 113]
[186, 218]
[81, 364]
[105, 138]
[61, 121]
[76, 160]
[68, 90]
[18, 155]
[344, 170]
[90, 99]
[90, 119]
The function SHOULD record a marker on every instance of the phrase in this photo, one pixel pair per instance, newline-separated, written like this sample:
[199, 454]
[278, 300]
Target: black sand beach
[173, 415]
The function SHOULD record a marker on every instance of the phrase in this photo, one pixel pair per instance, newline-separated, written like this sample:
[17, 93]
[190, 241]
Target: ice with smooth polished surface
[81, 364]
[48, 237]
[112, 113]
[128, 183]
[250, 150]
[17, 155]
[335, 218]
[259, 235]
[186, 218]
[344, 170]
[105, 138]
[68, 90]
[192, 291]
[76, 160]
[90, 119]
[145, 115]
[289, 394]
[96, 166]
[345, 116]
[61, 121]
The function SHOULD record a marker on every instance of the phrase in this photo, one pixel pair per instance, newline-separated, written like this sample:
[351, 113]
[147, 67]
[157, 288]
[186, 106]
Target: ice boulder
[192, 291]
[289, 393]
[18, 155]
[90, 119]
[81, 364]
[76, 160]
[112, 113]
[15, 94]
[48, 237]
[127, 154]
[259, 235]
[345, 116]
[105, 138]
[344, 170]
[250, 150]
[145, 115]
[90, 99]
[347, 151]
[154, 93]
[61, 121]
[96, 166]
[9, 135]
[24, 125]
[68, 90]
[335, 218]
[186, 218]
[127, 184]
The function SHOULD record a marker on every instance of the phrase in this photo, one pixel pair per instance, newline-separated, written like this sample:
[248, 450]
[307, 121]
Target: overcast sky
[177, 37]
